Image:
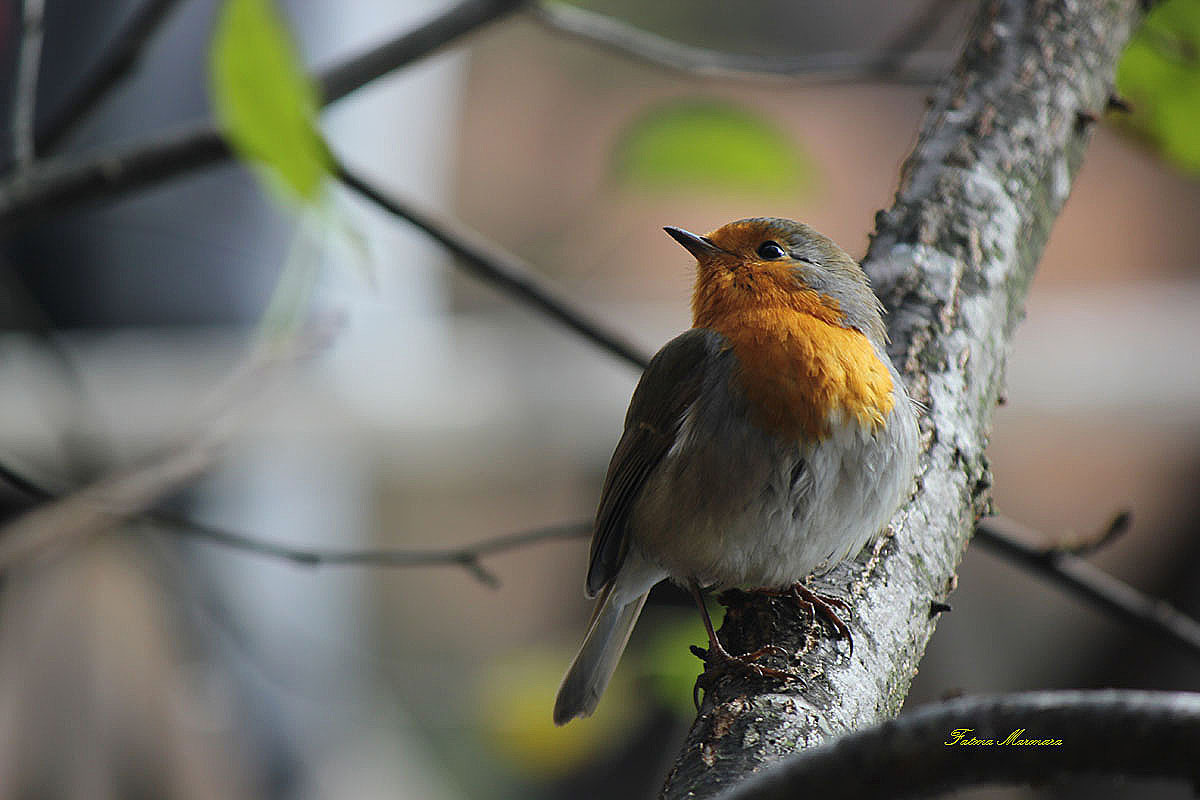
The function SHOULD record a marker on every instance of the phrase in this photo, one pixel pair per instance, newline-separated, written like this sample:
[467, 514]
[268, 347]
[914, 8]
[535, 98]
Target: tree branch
[1110, 732]
[650, 48]
[66, 183]
[460, 19]
[29, 61]
[60, 184]
[1092, 584]
[494, 265]
[115, 63]
[469, 557]
[952, 260]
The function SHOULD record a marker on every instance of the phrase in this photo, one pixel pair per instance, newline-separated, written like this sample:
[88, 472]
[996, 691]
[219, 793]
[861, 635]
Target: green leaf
[709, 145]
[265, 101]
[1160, 74]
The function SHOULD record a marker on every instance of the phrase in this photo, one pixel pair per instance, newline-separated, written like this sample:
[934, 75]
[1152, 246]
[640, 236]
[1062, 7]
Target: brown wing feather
[659, 405]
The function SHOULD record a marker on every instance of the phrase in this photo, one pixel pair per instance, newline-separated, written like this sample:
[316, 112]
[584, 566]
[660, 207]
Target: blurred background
[146, 664]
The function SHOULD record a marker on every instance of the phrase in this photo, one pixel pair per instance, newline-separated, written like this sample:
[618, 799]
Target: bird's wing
[660, 404]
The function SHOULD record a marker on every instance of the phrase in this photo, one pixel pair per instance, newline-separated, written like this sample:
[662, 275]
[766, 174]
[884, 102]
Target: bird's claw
[819, 606]
[718, 662]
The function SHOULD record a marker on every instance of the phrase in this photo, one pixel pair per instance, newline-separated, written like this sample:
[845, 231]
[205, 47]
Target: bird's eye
[770, 251]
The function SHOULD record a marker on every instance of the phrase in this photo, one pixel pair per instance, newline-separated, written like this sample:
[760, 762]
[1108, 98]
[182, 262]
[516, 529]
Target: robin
[772, 440]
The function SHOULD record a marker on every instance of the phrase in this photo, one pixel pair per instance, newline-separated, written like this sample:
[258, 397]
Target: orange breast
[797, 365]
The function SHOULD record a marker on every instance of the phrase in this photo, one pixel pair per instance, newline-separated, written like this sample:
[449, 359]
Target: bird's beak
[699, 246]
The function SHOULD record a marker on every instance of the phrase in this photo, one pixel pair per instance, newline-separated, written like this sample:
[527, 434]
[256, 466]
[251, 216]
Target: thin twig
[658, 51]
[1120, 733]
[468, 556]
[29, 60]
[496, 266]
[1092, 584]
[114, 64]
[343, 78]
[69, 182]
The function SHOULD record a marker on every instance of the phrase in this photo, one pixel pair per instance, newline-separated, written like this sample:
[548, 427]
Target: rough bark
[952, 260]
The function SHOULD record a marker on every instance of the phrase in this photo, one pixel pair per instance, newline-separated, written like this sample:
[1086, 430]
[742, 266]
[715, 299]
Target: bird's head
[779, 264]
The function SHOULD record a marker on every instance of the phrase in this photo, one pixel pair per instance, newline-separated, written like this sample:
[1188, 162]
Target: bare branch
[809, 69]
[114, 64]
[496, 266]
[469, 557]
[457, 21]
[1071, 573]
[1110, 732]
[29, 61]
[62, 183]
[65, 183]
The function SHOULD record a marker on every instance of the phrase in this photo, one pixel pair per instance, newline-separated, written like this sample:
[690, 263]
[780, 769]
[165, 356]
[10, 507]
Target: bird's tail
[593, 667]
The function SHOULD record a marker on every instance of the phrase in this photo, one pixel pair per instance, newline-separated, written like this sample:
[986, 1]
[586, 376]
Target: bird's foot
[820, 606]
[719, 662]
[717, 658]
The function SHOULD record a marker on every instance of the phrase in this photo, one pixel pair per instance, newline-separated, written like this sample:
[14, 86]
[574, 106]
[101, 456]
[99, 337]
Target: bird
[772, 440]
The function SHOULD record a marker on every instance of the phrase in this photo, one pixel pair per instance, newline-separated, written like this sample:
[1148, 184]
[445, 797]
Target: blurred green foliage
[709, 145]
[265, 101]
[1160, 75]
[669, 664]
